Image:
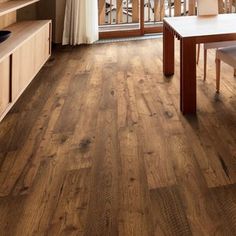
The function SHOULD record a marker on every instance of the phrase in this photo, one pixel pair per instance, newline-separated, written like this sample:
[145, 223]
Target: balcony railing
[127, 12]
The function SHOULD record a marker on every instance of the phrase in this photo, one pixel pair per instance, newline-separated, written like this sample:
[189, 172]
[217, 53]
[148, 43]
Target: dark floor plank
[168, 212]
[103, 204]
[225, 200]
[71, 210]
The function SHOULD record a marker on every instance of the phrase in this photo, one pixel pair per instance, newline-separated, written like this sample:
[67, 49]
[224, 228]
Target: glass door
[153, 12]
[120, 18]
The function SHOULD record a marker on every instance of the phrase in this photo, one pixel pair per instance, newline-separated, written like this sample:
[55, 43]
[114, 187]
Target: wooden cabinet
[4, 84]
[21, 58]
[23, 54]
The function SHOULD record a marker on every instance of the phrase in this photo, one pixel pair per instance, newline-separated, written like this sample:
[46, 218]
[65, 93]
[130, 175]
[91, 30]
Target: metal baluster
[110, 11]
[149, 15]
[127, 10]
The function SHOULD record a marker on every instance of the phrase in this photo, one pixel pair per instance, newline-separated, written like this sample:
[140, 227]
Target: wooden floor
[97, 146]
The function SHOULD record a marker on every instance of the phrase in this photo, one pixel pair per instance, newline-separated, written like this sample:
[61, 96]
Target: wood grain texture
[97, 146]
[11, 6]
[7, 19]
[166, 201]
[4, 84]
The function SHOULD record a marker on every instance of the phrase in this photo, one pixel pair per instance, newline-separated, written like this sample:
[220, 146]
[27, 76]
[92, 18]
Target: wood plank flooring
[97, 146]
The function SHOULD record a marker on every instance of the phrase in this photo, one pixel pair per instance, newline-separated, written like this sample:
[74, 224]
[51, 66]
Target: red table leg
[188, 94]
[168, 51]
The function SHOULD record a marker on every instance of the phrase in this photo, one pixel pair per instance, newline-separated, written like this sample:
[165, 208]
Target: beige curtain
[81, 22]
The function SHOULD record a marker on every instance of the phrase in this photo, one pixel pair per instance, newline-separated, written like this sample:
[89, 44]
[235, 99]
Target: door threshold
[144, 37]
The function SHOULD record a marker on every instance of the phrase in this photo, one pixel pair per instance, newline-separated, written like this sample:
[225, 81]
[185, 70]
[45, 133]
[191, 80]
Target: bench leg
[205, 63]
[198, 52]
[218, 62]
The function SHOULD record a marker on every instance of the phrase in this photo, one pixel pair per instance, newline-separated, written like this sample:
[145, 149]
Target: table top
[193, 26]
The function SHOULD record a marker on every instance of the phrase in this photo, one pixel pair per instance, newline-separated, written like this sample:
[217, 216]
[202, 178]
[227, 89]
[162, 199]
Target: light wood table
[192, 30]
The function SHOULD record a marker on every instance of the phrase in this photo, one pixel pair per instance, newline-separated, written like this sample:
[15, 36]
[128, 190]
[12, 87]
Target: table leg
[188, 94]
[168, 51]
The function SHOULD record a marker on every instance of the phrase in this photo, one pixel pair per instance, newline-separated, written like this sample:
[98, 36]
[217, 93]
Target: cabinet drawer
[4, 84]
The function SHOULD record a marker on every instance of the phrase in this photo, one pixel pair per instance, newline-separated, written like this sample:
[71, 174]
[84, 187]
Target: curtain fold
[81, 22]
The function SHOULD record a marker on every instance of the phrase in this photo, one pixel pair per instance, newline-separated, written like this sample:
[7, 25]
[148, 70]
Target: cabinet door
[22, 67]
[42, 50]
[4, 84]
[28, 59]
